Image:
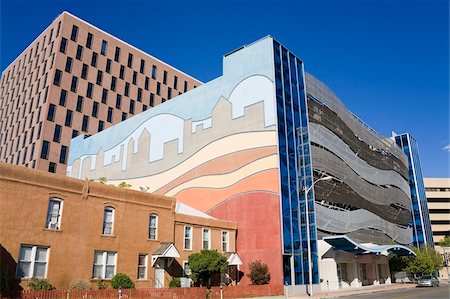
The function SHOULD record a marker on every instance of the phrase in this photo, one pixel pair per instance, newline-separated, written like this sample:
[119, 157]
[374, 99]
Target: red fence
[229, 292]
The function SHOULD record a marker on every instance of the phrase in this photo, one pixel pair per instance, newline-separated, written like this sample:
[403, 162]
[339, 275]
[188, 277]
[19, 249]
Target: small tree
[426, 261]
[124, 185]
[259, 273]
[80, 285]
[102, 180]
[175, 283]
[38, 284]
[122, 281]
[206, 263]
[445, 242]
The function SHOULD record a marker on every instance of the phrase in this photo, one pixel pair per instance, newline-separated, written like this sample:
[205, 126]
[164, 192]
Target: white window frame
[49, 224]
[226, 242]
[32, 261]
[190, 238]
[142, 266]
[208, 235]
[108, 208]
[103, 264]
[188, 272]
[156, 226]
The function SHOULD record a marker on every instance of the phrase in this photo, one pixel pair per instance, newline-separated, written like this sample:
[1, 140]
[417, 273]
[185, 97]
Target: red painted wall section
[259, 233]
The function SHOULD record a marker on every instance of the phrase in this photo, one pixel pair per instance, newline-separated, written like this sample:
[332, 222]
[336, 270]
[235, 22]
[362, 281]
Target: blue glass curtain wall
[421, 224]
[295, 168]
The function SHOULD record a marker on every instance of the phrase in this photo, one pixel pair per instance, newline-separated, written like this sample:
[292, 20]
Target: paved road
[442, 292]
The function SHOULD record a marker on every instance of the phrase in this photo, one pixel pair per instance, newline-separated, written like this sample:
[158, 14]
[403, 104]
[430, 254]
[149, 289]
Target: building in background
[75, 79]
[422, 233]
[438, 197]
[66, 229]
[248, 147]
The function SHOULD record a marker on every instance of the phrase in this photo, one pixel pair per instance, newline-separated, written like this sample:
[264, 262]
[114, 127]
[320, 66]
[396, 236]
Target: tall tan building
[76, 79]
[438, 197]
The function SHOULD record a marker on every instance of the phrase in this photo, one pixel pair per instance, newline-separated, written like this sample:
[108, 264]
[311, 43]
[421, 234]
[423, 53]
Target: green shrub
[175, 283]
[101, 284]
[122, 281]
[38, 284]
[259, 273]
[80, 285]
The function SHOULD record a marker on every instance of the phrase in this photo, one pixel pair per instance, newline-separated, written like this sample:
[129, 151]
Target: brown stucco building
[67, 229]
[75, 79]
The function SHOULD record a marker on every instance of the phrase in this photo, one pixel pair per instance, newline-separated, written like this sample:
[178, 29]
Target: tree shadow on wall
[9, 285]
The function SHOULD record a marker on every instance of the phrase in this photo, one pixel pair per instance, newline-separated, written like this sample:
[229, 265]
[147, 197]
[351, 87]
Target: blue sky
[387, 60]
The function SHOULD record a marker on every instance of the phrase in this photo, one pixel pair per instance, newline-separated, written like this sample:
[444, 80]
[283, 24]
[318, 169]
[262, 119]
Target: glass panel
[24, 269]
[109, 271]
[39, 269]
[25, 253]
[111, 258]
[142, 260]
[98, 271]
[141, 273]
[98, 258]
[41, 254]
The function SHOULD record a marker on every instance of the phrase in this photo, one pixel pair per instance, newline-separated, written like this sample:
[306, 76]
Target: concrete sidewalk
[345, 292]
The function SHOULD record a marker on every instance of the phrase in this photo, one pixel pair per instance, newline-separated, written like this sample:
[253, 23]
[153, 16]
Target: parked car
[428, 281]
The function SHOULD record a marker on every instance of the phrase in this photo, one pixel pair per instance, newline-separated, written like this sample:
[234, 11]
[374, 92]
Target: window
[124, 116]
[52, 167]
[94, 109]
[158, 88]
[68, 67]
[99, 77]
[63, 155]
[152, 100]
[57, 133]
[118, 101]
[154, 72]
[62, 97]
[80, 104]
[101, 125]
[62, 46]
[74, 84]
[153, 227]
[74, 34]
[104, 96]
[51, 112]
[185, 86]
[104, 264]
[89, 40]
[144, 107]
[104, 47]
[175, 82]
[134, 77]
[85, 124]
[79, 54]
[127, 89]
[94, 59]
[186, 269]
[110, 114]
[206, 239]
[57, 79]
[139, 94]
[108, 66]
[68, 121]
[117, 54]
[188, 237]
[45, 149]
[142, 67]
[132, 102]
[169, 93]
[130, 60]
[89, 90]
[142, 266]
[75, 133]
[108, 221]
[113, 83]
[225, 241]
[84, 71]
[54, 213]
[164, 77]
[32, 261]
[122, 72]
[147, 81]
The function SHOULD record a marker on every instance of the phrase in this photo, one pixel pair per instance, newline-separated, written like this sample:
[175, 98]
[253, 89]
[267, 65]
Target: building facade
[75, 79]
[422, 233]
[66, 229]
[438, 198]
[248, 147]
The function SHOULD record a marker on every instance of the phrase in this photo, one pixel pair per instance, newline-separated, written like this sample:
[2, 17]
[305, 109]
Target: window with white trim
[142, 266]
[186, 269]
[54, 213]
[206, 239]
[104, 264]
[188, 237]
[153, 227]
[108, 221]
[33, 261]
[225, 241]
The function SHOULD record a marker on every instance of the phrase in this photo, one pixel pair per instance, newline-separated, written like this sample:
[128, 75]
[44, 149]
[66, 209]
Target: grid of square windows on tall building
[76, 79]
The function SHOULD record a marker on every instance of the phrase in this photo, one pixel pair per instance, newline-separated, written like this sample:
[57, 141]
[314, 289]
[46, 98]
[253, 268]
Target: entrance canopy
[165, 250]
[344, 243]
[233, 259]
